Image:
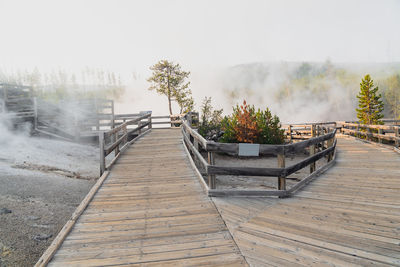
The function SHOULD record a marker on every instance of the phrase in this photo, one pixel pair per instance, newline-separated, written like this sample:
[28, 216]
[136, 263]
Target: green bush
[246, 125]
[210, 121]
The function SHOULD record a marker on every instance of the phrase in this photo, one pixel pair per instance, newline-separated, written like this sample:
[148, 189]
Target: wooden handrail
[191, 137]
[371, 126]
[125, 124]
[202, 141]
[373, 131]
[120, 140]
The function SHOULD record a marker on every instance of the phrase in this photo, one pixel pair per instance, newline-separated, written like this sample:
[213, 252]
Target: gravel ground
[42, 181]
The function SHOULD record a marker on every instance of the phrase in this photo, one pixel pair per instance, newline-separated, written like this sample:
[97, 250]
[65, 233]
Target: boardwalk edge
[52, 249]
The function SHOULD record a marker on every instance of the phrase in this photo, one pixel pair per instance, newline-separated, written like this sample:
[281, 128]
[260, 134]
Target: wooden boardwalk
[349, 216]
[150, 211]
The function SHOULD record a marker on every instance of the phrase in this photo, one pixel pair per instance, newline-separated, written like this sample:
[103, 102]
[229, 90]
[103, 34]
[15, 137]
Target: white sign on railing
[249, 150]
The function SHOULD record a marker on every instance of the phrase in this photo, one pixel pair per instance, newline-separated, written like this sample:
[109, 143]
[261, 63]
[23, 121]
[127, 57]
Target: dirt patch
[35, 215]
[50, 169]
[42, 182]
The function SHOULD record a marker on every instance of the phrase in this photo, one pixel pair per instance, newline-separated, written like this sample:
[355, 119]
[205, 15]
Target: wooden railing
[303, 131]
[388, 121]
[391, 121]
[117, 139]
[389, 133]
[319, 147]
[172, 120]
[169, 120]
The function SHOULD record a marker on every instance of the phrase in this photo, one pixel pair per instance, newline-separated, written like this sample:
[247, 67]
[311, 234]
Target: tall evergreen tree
[370, 105]
[170, 80]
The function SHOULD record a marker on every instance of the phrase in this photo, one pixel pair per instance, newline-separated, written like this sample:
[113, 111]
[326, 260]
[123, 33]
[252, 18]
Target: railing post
[211, 178]
[140, 130]
[369, 134]
[397, 134]
[330, 144]
[150, 125]
[126, 134]
[281, 164]
[357, 130]
[312, 149]
[318, 133]
[290, 133]
[116, 150]
[102, 156]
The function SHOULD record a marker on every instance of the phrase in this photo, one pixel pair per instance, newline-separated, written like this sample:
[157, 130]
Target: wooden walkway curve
[349, 216]
[151, 211]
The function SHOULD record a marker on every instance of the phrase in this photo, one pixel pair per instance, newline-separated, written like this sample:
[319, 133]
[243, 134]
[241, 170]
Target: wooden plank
[248, 193]
[348, 216]
[152, 209]
[248, 171]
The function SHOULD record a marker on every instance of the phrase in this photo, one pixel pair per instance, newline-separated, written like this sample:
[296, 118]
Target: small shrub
[246, 125]
[210, 122]
[246, 129]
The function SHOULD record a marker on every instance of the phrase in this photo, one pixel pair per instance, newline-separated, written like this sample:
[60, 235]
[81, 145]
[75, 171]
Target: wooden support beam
[102, 153]
[246, 171]
[281, 178]
[245, 193]
[312, 149]
[211, 177]
[150, 123]
[329, 145]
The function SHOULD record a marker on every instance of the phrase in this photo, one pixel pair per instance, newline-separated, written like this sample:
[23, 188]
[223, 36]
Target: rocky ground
[42, 181]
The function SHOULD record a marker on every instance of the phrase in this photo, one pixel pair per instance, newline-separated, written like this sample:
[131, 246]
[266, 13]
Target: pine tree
[168, 79]
[370, 105]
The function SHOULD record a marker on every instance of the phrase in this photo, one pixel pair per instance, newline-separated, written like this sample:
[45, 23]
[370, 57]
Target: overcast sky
[128, 36]
[131, 35]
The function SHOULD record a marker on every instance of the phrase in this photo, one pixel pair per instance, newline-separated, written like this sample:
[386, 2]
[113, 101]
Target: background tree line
[59, 84]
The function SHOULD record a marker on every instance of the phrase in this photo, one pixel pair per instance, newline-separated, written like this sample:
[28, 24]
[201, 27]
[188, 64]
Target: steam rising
[295, 91]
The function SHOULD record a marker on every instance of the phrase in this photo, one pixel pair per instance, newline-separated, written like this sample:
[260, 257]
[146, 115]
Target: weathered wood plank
[248, 171]
[152, 210]
[348, 216]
